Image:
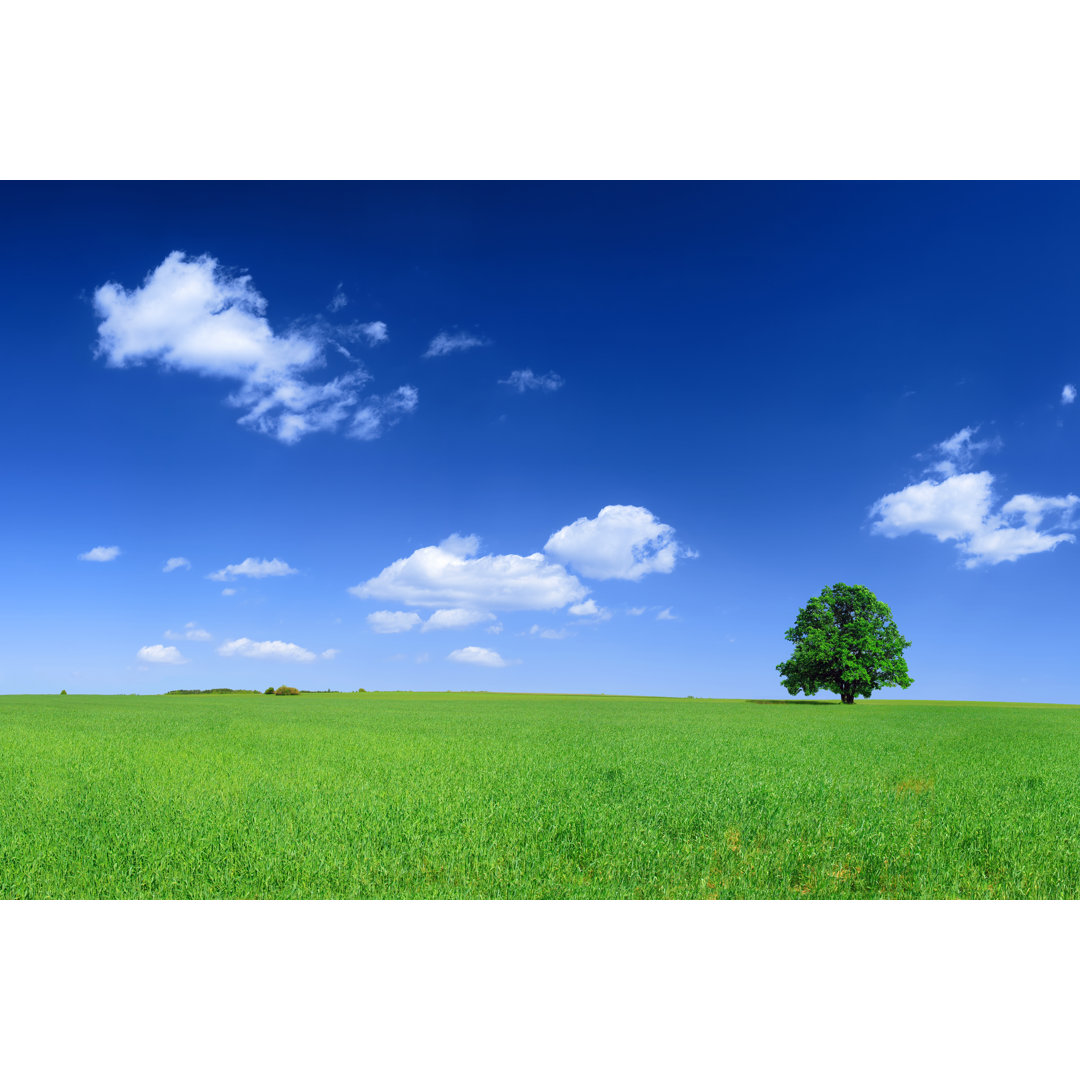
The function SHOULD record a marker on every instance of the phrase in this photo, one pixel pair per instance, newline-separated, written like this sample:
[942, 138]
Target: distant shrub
[63, 691]
[268, 690]
[286, 690]
[361, 691]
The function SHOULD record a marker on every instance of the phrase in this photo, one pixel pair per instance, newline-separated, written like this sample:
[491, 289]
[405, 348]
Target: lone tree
[845, 641]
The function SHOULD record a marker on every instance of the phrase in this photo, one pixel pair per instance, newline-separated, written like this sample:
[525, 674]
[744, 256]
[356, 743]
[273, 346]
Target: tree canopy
[845, 641]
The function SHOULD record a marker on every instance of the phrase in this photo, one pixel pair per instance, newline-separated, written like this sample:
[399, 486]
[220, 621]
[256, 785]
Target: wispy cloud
[959, 452]
[473, 654]
[525, 380]
[100, 554]
[253, 568]
[191, 632]
[177, 563]
[443, 343]
[340, 299]
[550, 634]
[192, 315]
[1068, 394]
[382, 412]
[265, 650]
[228, 592]
[329, 654]
[161, 654]
[625, 542]
[960, 509]
[667, 615]
[364, 333]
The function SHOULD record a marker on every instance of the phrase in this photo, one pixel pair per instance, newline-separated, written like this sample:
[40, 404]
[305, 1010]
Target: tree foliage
[286, 690]
[845, 641]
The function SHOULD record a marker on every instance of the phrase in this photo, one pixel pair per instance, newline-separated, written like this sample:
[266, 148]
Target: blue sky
[604, 438]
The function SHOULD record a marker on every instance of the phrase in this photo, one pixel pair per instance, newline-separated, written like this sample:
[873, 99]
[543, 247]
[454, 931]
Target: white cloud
[329, 654]
[443, 343]
[959, 508]
[525, 380]
[1001, 543]
[228, 592]
[192, 315]
[265, 650]
[1033, 508]
[161, 654]
[947, 509]
[473, 654]
[191, 632]
[100, 554]
[253, 568]
[455, 619]
[667, 616]
[636, 611]
[177, 563]
[450, 575]
[375, 332]
[591, 611]
[620, 542]
[494, 628]
[1068, 394]
[340, 299]
[393, 622]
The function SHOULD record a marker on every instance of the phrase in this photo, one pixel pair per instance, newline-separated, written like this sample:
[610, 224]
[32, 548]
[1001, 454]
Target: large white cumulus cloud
[192, 315]
[452, 575]
[625, 542]
[960, 508]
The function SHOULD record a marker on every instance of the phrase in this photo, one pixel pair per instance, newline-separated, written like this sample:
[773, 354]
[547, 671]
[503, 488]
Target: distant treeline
[218, 690]
[268, 690]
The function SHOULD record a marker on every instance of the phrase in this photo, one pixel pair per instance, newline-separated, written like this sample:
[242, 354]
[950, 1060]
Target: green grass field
[516, 796]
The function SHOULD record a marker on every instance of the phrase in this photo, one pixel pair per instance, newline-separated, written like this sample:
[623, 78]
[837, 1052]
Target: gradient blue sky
[774, 386]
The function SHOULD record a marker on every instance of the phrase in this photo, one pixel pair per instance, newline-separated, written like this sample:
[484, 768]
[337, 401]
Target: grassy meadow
[403, 795]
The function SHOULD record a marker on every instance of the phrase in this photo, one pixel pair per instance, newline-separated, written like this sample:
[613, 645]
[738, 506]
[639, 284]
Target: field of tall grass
[402, 795]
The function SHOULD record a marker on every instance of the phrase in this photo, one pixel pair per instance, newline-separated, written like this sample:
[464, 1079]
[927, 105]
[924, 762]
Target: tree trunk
[847, 699]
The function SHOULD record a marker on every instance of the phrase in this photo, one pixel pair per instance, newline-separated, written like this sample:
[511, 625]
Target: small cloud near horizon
[473, 654]
[161, 654]
[265, 650]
